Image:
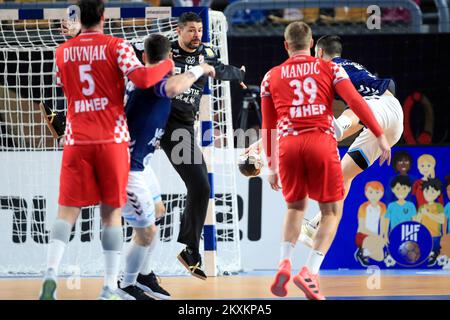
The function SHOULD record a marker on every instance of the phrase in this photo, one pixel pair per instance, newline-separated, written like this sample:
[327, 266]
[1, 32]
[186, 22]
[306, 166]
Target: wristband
[197, 71]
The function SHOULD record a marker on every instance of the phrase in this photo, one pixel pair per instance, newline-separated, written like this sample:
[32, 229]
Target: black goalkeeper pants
[187, 159]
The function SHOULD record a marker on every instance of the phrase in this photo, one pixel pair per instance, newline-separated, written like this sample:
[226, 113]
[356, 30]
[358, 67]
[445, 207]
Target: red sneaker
[309, 284]
[278, 287]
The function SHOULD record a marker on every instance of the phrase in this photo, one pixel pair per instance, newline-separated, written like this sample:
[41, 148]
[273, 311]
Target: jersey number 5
[86, 76]
[309, 87]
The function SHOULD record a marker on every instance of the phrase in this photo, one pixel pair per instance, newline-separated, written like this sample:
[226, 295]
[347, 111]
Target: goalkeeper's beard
[191, 44]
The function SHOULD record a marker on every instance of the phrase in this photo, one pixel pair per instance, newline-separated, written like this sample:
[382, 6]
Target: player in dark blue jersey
[147, 114]
[368, 85]
[379, 94]
[365, 82]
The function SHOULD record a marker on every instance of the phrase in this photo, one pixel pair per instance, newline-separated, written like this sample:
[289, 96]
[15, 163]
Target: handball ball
[410, 251]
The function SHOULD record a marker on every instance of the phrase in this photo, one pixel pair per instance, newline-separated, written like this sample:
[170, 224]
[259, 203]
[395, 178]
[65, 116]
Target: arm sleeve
[347, 91]
[227, 72]
[126, 58]
[269, 132]
[223, 71]
[160, 88]
[146, 77]
[269, 124]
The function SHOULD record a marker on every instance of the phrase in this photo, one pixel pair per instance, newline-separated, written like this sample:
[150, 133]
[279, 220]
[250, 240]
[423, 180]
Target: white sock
[112, 264]
[366, 252]
[59, 237]
[55, 253]
[134, 259]
[314, 261]
[146, 267]
[344, 121]
[286, 250]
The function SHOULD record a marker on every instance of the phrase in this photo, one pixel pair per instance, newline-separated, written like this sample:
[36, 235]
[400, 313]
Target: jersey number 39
[309, 87]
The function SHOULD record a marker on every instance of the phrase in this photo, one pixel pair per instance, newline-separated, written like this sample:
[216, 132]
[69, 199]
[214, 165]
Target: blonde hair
[298, 35]
[428, 158]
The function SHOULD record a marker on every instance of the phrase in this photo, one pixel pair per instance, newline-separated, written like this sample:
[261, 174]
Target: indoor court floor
[335, 285]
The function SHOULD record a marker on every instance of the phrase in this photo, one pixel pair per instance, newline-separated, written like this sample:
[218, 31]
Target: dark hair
[434, 183]
[402, 180]
[188, 17]
[248, 168]
[156, 47]
[331, 44]
[91, 12]
[447, 179]
[400, 155]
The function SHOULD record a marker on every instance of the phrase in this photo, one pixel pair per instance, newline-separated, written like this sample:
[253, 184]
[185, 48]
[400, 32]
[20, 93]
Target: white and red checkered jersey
[91, 69]
[302, 91]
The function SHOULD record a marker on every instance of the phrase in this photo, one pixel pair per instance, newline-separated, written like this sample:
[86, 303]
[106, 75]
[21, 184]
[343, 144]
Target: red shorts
[310, 167]
[359, 239]
[93, 174]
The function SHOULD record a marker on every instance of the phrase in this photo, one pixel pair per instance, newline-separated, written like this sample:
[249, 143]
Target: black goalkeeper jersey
[185, 106]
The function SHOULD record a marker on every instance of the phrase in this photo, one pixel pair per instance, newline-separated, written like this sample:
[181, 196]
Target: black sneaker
[363, 260]
[150, 284]
[192, 261]
[136, 292]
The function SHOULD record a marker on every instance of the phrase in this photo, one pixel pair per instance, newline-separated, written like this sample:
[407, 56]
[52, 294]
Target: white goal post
[31, 158]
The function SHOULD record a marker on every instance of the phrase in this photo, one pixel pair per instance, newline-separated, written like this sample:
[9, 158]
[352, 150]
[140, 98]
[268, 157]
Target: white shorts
[143, 191]
[389, 114]
[153, 184]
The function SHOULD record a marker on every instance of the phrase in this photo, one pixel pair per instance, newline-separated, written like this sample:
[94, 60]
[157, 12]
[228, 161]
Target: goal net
[30, 158]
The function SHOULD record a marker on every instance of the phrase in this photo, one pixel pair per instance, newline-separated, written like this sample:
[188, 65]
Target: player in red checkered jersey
[91, 69]
[297, 101]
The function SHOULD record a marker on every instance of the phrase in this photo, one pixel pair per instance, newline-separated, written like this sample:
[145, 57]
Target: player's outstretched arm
[255, 147]
[146, 77]
[178, 84]
[227, 72]
[131, 67]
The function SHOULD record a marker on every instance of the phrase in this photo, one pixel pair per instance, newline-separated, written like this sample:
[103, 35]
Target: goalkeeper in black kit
[188, 51]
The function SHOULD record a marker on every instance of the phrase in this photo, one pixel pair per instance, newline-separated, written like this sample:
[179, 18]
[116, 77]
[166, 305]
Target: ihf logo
[409, 232]
[410, 244]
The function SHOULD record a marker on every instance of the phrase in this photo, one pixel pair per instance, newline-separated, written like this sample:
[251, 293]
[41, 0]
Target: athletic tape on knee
[112, 238]
[61, 230]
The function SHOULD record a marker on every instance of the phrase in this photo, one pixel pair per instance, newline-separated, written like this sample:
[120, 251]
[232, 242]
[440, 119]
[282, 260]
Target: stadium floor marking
[255, 286]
